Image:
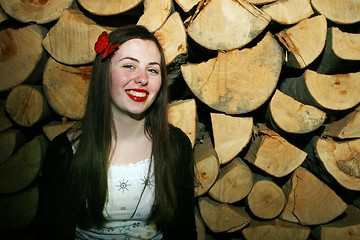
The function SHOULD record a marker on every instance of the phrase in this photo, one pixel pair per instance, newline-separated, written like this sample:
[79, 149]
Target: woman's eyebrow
[136, 60]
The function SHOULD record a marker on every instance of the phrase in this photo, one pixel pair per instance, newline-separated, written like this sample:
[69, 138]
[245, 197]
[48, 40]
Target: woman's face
[135, 73]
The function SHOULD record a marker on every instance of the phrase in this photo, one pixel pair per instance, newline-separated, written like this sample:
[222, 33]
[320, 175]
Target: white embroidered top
[125, 184]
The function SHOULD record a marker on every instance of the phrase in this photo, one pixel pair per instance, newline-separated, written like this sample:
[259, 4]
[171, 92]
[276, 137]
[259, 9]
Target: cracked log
[66, 87]
[272, 153]
[222, 217]
[304, 42]
[309, 200]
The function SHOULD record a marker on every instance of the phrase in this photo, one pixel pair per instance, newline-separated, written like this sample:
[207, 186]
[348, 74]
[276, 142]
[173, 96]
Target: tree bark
[231, 135]
[66, 88]
[289, 11]
[27, 105]
[309, 200]
[227, 25]
[35, 11]
[304, 41]
[235, 90]
[21, 47]
[272, 153]
[20, 169]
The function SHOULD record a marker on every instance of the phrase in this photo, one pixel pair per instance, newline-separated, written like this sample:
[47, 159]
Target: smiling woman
[123, 172]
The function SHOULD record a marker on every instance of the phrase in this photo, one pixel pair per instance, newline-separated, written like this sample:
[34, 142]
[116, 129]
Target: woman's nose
[142, 78]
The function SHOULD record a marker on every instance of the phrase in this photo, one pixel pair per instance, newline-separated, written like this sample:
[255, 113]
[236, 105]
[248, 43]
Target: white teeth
[137, 94]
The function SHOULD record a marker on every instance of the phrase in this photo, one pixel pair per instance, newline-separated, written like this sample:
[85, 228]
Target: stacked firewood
[268, 92]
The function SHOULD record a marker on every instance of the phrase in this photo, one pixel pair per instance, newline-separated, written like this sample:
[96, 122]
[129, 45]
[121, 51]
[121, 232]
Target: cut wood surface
[328, 92]
[227, 24]
[261, 2]
[35, 11]
[54, 128]
[26, 105]
[346, 228]
[338, 11]
[266, 199]
[66, 88]
[3, 16]
[19, 209]
[182, 114]
[225, 86]
[5, 122]
[289, 11]
[172, 37]
[309, 200]
[21, 47]
[274, 230]
[200, 225]
[342, 160]
[187, 5]
[346, 45]
[304, 41]
[272, 153]
[109, 7]
[23, 166]
[346, 127]
[71, 40]
[231, 135]
[293, 116]
[207, 166]
[10, 141]
[221, 217]
[156, 12]
[233, 183]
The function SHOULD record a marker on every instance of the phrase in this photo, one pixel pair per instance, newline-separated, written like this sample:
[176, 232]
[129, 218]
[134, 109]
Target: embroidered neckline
[146, 160]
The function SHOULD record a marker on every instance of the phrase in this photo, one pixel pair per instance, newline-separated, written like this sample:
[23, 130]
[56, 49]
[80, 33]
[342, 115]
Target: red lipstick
[137, 94]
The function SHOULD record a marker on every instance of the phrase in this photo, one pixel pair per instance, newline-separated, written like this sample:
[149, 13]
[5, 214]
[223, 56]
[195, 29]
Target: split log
[291, 116]
[54, 128]
[289, 11]
[172, 37]
[182, 114]
[341, 51]
[187, 5]
[156, 12]
[222, 217]
[339, 160]
[5, 122]
[21, 168]
[35, 11]
[200, 225]
[328, 92]
[19, 209]
[309, 200]
[227, 24]
[3, 16]
[261, 2]
[27, 105]
[109, 7]
[266, 199]
[272, 153]
[71, 40]
[231, 135]
[10, 142]
[304, 41]
[207, 166]
[21, 47]
[223, 85]
[233, 183]
[346, 127]
[274, 230]
[346, 228]
[66, 88]
[338, 11]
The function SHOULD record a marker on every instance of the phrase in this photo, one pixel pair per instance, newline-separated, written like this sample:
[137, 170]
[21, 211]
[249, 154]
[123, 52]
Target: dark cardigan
[57, 209]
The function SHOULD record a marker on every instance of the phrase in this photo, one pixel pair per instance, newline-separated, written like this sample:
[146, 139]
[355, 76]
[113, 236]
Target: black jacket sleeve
[184, 225]
[55, 218]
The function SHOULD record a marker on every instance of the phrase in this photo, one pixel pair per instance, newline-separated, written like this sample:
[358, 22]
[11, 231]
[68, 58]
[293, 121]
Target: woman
[123, 172]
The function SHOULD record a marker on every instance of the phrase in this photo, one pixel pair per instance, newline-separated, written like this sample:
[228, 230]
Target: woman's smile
[138, 95]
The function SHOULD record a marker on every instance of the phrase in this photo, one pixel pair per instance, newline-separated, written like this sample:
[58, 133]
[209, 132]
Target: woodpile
[267, 91]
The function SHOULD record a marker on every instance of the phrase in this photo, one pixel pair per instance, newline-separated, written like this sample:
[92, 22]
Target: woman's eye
[128, 66]
[155, 71]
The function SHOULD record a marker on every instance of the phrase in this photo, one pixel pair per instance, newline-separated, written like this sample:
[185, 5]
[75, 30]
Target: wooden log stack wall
[268, 92]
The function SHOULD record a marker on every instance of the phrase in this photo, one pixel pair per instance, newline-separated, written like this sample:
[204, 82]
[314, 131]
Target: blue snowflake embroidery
[147, 182]
[123, 185]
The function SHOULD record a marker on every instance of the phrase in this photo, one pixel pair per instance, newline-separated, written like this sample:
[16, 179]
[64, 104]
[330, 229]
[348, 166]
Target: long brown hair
[95, 130]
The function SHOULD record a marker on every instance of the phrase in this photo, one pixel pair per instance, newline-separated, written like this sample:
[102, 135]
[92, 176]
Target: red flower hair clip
[103, 44]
